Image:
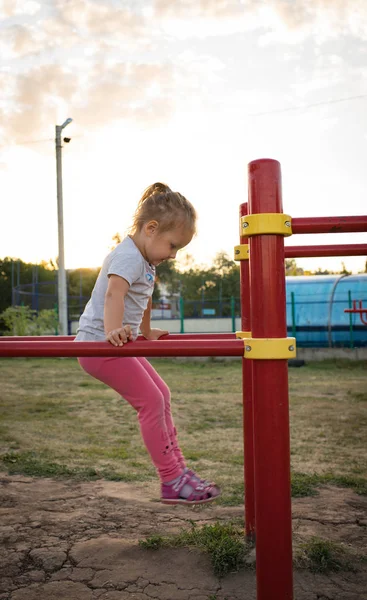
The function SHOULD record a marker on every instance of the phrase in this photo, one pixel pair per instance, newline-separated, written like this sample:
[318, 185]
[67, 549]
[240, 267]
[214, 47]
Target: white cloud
[27, 40]
[199, 8]
[94, 94]
[71, 24]
[100, 17]
[329, 16]
[12, 8]
[286, 21]
[92, 59]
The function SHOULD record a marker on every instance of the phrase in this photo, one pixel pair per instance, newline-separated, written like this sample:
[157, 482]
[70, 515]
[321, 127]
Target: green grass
[27, 463]
[224, 543]
[228, 549]
[305, 484]
[57, 421]
[324, 556]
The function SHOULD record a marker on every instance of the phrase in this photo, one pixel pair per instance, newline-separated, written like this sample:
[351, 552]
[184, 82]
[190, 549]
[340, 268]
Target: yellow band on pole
[241, 252]
[266, 223]
[270, 348]
[243, 334]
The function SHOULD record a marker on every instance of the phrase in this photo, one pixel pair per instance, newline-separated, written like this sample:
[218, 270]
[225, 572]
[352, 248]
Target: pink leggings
[135, 379]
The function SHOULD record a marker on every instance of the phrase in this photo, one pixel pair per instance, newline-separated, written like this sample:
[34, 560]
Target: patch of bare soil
[64, 540]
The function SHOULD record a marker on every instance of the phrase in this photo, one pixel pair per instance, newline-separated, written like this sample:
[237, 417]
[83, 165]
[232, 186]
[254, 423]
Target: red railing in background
[329, 224]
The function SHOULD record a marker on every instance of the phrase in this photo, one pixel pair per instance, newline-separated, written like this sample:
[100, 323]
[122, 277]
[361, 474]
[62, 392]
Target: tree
[28, 273]
[344, 270]
[80, 286]
[167, 276]
[202, 285]
[291, 267]
[5, 283]
[39, 281]
[116, 240]
[321, 272]
[223, 264]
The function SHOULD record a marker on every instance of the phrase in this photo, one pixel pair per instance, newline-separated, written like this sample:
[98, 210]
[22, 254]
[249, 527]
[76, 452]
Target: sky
[187, 92]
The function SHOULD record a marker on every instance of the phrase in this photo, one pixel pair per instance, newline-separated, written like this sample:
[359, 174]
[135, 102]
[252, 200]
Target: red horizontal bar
[325, 250]
[329, 224]
[141, 348]
[36, 338]
[70, 338]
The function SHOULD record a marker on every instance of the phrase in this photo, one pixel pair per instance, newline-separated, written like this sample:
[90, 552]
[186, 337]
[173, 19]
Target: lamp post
[61, 280]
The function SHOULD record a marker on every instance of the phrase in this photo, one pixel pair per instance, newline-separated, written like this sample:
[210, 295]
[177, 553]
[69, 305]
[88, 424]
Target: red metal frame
[329, 224]
[327, 250]
[270, 394]
[248, 418]
[46, 349]
[170, 337]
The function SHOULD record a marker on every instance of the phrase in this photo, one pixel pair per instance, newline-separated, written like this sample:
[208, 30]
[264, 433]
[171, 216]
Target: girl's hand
[120, 336]
[155, 334]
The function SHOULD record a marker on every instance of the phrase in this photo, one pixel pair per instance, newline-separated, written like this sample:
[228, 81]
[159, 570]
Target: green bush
[22, 320]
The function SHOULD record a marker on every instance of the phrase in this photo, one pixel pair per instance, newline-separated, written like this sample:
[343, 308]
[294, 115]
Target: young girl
[120, 304]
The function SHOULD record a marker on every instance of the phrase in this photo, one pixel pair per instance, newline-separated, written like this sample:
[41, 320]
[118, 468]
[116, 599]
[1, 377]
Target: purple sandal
[203, 481]
[202, 491]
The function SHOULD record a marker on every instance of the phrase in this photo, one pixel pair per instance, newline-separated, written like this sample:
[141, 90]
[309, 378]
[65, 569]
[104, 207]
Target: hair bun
[154, 190]
[160, 188]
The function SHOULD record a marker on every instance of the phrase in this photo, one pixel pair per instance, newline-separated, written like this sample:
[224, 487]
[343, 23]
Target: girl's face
[163, 246]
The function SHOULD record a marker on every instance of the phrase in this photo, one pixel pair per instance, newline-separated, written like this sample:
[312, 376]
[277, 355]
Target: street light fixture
[65, 123]
[61, 280]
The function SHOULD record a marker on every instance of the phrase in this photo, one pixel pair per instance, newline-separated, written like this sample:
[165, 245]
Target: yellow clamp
[270, 348]
[265, 223]
[240, 335]
[241, 252]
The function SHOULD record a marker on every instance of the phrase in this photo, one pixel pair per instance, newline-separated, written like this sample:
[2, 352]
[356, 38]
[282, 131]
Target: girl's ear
[151, 227]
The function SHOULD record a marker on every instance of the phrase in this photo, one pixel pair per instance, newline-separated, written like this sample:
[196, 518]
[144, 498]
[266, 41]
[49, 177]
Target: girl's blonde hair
[170, 209]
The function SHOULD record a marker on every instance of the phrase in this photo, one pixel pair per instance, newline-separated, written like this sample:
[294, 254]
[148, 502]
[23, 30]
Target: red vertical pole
[247, 394]
[270, 394]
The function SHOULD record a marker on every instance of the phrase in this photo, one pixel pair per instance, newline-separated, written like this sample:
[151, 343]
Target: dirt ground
[66, 540]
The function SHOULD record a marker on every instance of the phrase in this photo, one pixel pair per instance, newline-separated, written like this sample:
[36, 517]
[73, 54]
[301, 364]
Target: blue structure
[315, 310]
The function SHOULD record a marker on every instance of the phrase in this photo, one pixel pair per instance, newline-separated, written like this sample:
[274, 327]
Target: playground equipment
[265, 349]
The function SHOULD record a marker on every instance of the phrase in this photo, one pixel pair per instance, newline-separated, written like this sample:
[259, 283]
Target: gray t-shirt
[125, 261]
